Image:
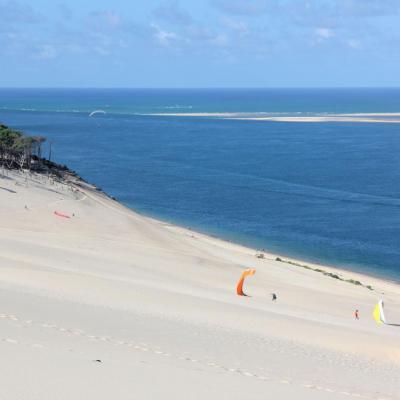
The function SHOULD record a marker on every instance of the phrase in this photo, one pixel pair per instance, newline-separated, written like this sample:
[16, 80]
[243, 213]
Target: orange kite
[245, 274]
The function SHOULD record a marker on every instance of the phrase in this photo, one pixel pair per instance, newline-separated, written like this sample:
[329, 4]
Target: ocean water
[322, 192]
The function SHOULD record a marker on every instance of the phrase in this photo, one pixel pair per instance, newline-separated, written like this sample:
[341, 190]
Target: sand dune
[111, 304]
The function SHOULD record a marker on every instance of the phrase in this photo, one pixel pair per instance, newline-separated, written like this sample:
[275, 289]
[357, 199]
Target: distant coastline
[388, 118]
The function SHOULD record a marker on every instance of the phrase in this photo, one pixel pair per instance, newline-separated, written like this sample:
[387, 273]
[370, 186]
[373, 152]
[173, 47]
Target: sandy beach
[392, 118]
[99, 302]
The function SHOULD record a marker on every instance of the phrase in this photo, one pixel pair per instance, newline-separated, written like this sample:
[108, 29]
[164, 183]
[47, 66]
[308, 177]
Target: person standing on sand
[356, 316]
[273, 296]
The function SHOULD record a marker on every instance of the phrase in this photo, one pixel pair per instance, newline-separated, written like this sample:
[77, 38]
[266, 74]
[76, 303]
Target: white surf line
[144, 347]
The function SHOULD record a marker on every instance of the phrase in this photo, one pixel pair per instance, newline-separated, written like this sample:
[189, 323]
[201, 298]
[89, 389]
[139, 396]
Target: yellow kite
[378, 314]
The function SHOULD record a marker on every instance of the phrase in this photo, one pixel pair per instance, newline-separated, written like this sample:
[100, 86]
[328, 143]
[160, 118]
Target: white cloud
[163, 37]
[324, 33]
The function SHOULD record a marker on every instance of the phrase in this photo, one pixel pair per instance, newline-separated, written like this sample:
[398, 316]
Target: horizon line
[193, 87]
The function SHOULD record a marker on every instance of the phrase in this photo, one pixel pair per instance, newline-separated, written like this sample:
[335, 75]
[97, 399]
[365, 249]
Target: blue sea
[322, 192]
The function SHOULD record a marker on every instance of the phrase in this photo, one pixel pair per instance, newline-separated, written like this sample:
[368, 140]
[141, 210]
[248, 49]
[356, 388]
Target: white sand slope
[156, 304]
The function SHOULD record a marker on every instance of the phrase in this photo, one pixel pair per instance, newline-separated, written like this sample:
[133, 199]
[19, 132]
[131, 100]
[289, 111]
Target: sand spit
[330, 118]
[393, 118]
[111, 304]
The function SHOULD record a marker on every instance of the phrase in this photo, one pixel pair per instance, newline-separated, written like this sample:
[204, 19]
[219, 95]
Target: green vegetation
[354, 282]
[20, 151]
[326, 273]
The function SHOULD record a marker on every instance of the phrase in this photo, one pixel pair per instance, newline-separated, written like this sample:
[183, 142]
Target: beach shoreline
[346, 275]
[90, 286]
[327, 270]
[364, 280]
[80, 184]
[271, 255]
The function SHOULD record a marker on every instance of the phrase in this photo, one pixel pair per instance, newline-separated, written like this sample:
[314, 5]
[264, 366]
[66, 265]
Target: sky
[200, 43]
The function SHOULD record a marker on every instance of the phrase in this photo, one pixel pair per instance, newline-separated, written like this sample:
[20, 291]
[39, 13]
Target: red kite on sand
[60, 214]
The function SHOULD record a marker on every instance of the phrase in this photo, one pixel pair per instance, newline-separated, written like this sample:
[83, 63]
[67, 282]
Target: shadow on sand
[8, 190]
